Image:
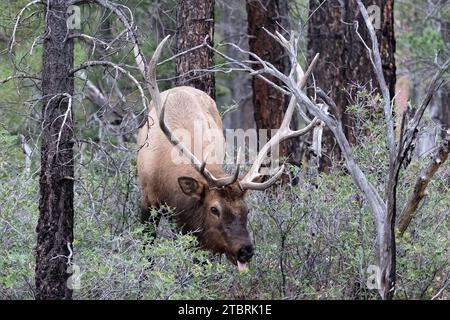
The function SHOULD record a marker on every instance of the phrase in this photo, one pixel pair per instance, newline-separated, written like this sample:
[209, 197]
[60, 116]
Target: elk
[208, 202]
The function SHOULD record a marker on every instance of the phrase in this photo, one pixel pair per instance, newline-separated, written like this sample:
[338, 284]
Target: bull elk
[208, 202]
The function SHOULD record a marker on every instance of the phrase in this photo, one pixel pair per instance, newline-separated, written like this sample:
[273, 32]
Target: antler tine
[283, 133]
[196, 163]
[202, 167]
[152, 87]
[177, 143]
[232, 179]
[150, 73]
[262, 185]
[150, 77]
[228, 180]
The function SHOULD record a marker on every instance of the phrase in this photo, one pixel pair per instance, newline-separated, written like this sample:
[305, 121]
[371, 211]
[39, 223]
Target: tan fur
[180, 186]
[157, 172]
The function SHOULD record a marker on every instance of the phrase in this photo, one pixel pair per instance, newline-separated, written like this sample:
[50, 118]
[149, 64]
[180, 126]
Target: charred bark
[231, 25]
[445, 96]
[268, 102]
[344, 60]
[55, 224]
[195, 22]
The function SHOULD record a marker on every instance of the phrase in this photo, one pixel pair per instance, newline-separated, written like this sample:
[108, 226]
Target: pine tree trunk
[344, 60]
[233, 21]
[195, 21]
[445, 96]
[55, 225]
[269, 103]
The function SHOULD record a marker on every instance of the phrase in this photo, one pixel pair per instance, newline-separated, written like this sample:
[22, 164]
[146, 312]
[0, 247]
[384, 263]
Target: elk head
[220, 200]
[223, 212]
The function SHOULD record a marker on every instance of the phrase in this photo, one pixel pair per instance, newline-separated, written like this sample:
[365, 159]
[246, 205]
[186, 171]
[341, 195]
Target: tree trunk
[268, 102]
[386, 242]
[344, 63]
[55, 225]
[195, 21]
[344, 60]
[232, 22]
[445, 95]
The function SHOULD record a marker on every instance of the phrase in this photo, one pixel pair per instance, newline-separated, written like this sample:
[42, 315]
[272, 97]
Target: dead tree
[445, 99]
[383, 206]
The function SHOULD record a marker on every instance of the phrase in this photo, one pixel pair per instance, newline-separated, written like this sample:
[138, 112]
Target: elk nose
[245, 253]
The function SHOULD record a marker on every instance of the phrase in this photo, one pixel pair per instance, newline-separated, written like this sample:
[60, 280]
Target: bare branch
[19, 76]
[128, 22]
[421, 184]
[411, 129]
[89, 64]
[94, 94]
[203, 44]
[378, 69]
[19, 15]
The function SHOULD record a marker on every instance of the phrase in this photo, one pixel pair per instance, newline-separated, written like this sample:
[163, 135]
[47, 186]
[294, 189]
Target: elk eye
[215, 211]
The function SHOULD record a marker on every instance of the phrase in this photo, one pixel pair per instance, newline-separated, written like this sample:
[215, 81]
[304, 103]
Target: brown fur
[180, 186]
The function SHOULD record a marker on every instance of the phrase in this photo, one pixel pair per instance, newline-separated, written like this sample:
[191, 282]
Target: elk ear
[191, 187]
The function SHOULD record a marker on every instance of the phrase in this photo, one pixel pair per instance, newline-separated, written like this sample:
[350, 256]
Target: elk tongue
[242, 266]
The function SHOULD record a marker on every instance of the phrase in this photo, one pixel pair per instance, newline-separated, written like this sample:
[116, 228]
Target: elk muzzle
[244, 255]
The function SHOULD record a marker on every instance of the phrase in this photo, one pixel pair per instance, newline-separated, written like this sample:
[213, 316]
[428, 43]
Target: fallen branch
[94, 93]
[421, 184]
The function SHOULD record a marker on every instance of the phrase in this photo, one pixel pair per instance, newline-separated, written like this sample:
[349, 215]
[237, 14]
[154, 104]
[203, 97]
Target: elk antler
[150, 78]
[282, 134]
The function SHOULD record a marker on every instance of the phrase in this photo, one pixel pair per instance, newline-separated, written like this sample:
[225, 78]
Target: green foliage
[310, 243]
[314, 240]
[425, 43]
[18, 218]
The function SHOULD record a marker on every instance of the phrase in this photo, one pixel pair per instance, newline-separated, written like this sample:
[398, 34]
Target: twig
[19, 15]
[89, 64]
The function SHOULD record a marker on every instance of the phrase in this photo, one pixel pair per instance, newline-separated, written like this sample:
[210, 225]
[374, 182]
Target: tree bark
[55, 224]
[268, 102]
[337, 30]
[233, 26]
[344, 60]
[445, 95]
[195, 21]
